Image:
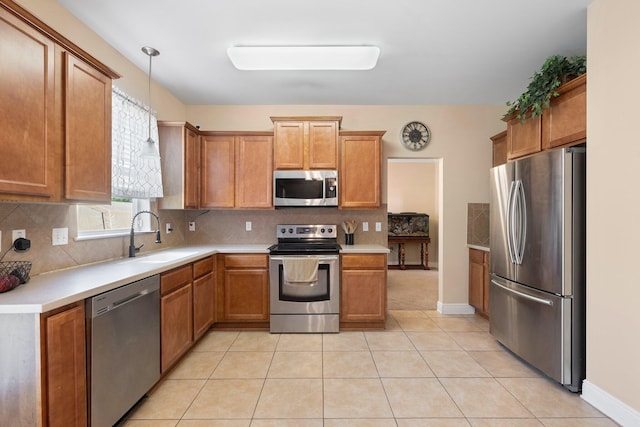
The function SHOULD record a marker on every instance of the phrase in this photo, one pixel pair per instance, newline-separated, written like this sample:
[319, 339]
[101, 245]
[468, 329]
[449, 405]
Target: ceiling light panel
[269, 58]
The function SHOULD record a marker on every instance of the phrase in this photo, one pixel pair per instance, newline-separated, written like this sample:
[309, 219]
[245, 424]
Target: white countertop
[55, 289]
[364, 249]
[480, 248]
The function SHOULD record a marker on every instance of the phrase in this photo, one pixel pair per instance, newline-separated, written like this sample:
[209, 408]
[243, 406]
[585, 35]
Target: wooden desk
[424, 251]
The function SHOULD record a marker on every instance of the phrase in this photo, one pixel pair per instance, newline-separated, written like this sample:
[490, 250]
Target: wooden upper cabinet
[254, 171]
[289, 145]
[191, 169]
[359, 176]
[323, 145]
[55, 114]
[87, 132]
[217, 171]
[180, 156]
[499, 148]
[523, 138]
[236, 170]
[306, 142]
[27, 110]
[565, 121]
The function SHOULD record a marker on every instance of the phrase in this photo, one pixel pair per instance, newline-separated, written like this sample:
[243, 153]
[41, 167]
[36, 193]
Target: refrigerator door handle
[523, 295]
[521, 209]
[510, 222]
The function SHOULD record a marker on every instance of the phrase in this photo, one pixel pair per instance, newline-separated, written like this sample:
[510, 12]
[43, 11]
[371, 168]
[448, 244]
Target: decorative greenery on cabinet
[555, 71]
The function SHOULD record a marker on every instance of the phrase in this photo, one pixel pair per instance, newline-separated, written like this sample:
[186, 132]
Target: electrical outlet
[247, 226]
[378, 226]
[192, 226]
[168, 228]
[60, 236]
[365, 226]
[16, 234]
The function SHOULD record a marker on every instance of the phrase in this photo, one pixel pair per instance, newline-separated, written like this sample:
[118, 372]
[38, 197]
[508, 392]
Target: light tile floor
[425, 369]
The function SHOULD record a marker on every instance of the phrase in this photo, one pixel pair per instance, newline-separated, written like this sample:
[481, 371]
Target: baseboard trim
[455, 308]
[611, 406]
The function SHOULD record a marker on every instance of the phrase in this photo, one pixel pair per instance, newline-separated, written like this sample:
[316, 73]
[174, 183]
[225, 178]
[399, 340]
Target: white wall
[613, 200]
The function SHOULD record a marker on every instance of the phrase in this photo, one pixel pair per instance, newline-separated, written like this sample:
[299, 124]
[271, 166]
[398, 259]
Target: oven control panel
[305, 231]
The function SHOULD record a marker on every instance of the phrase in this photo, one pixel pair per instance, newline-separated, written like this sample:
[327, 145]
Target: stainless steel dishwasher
[123, 348]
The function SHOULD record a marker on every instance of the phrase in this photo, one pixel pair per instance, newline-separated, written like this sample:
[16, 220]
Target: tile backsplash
[215, 226]
[478, 224]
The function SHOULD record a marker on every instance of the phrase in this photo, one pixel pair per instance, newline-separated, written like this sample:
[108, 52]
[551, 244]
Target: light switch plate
[247, 226]
[378, 226]
[365, 226]
[168, 228]
[60, 236]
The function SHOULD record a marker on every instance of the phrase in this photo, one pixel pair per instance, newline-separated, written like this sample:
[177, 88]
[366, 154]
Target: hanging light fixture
[149, 150]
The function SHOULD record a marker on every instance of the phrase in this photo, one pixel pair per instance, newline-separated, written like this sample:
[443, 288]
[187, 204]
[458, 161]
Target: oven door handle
[321, 258]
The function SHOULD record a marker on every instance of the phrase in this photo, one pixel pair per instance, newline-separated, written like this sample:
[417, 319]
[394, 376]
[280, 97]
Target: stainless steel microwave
[305, 188]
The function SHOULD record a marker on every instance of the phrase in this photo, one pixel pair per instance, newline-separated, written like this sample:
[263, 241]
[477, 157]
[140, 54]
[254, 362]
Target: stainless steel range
[305, 279]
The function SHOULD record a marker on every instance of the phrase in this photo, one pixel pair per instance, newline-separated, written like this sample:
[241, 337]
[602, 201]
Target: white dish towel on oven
[299, 270]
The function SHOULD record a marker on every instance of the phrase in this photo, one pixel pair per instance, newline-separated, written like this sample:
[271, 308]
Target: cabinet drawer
[246, 261]
[175, 278]
[202, 267]
[364, 261]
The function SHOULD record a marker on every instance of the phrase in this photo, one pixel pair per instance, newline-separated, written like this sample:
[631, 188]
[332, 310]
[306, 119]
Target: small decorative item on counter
[13, 273]
[349, 228]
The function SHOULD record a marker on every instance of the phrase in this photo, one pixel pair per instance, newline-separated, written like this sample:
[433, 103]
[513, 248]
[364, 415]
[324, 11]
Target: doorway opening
[414, 186]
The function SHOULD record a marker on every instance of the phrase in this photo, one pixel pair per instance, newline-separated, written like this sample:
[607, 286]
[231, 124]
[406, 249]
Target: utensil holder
[348, 239]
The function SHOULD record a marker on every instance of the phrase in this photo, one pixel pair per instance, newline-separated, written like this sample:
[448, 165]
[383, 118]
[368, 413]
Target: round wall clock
[415, 135]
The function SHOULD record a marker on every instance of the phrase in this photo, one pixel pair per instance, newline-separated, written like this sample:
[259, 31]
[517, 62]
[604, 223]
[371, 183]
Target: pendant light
[149, 150]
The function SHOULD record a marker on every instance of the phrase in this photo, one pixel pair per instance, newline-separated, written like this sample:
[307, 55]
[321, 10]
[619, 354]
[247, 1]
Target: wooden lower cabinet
[203, 296]
[243, 290]
[176, 315]
[363, 291]
[479, 281]
[64, 370]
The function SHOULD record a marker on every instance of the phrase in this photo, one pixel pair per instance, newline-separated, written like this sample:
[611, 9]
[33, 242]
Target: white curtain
[133, 176]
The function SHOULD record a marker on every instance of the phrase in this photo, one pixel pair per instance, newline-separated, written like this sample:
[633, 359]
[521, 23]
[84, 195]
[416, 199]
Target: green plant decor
[555, 71]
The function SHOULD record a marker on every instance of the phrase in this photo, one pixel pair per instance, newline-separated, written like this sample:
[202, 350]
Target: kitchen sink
[161, 257]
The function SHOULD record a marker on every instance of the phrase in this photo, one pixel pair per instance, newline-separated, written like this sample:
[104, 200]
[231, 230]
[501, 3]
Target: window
[98, 221]
[135, 180]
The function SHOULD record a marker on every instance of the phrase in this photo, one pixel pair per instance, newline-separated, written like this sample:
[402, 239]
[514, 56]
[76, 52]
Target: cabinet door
[65, 370]
[476, 279]
[203, 304]
[176, 325]
[360, 171]
[246, 295]
[486, 282]
[27, 110]
[87, 132]
[254, 172]
[217, 172]
[499, 148]
[191, 169]
[289, 145]
[363, 295]
[565, 122]
[523, 138]
[323, 145]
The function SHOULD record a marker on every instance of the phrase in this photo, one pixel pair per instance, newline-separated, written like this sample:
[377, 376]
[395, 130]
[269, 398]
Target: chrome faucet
[132, 247]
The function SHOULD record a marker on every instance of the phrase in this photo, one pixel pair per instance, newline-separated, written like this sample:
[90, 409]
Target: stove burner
[305, 239]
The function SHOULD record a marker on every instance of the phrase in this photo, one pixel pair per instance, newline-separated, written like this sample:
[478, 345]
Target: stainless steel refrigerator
[537, 291]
